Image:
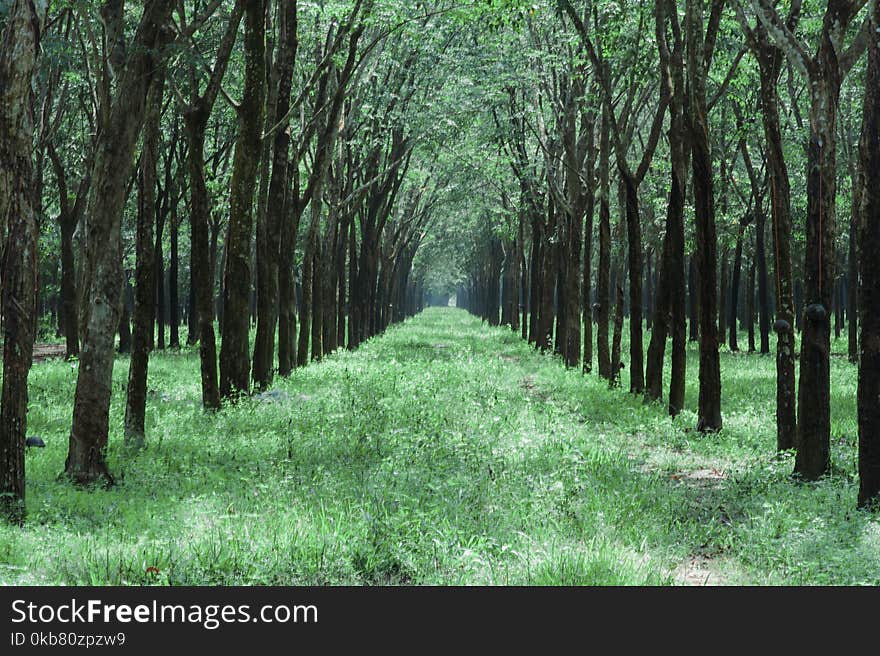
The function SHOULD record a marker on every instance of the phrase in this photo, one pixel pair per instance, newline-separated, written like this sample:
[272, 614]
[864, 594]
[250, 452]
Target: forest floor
[443, 452]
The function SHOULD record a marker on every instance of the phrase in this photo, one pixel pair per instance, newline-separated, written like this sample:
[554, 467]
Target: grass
[443, 452]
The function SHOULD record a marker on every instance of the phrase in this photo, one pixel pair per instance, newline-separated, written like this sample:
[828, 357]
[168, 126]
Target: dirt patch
[510, 358]
[701, 477]
[698, 570]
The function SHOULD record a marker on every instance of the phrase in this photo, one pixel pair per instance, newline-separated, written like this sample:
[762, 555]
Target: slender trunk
[536, 281]
[305, 315]
[113, 163]
[724, 294]
[68, 288]
[19, 219]
[709, 409]
[734, 289]
[869, 293]
[694, 299]
[173, 275]
[750, 305]
[234, 350]
[269, 235]
[761, 263]
[124, 328]
[317, 260]
[603, 291]
[852, 289]
[352, 340]
[814, 384]
[136, 397]
[159, 268]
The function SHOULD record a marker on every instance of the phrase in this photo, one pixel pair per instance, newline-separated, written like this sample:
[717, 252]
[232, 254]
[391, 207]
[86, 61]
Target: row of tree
[603, 84]
[282, 132]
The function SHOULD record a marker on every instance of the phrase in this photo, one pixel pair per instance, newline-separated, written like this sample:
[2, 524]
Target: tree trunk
[750, 305]
[723, 295]
[18, 218]
[869, 292]
[634, 242]
[113, 162]
[173, 275]
[124, 328]
[814, 384]
[761, 264]
[269, 236]
[68, 288]
[145, 284]
[603, 288]
[735, 287]
[852, 288]
[159, 268]
[234, 349]
[693, 299]
[709, 410]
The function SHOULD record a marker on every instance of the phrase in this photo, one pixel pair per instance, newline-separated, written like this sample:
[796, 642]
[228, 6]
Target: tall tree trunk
[814, 384]
[709, 409]
[869, 293]
[145, 284]
[750, 305]
[723, 295]
[852, 289]
[536, 280]
[693, 299]
[317, 260]
[305, 315]
[761, 265]
[603, 287]
[113, 163]
[124, 328]
[735, 286]
[770, 61]
[269, 237]
[173, 276]
[234, 349]
[634, 242]
[68, 288]
[18, 218]
[159, 299]
[192, 312]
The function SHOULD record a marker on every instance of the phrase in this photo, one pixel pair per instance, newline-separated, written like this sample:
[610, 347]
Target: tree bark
[603, 286]
[113, 162]
[145, 284]
[173, 276]
[709, 408]
[869, 292]
[18, 218]
[234, 349]
[269, 238]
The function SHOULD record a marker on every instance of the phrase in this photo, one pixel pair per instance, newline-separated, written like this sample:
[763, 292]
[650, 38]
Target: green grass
[443, 452]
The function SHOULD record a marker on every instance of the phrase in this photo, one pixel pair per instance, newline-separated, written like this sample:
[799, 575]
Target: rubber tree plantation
[557, 292]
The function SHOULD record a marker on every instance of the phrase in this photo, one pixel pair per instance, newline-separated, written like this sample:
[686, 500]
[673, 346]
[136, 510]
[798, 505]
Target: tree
[18, 218]
[700, 48]
[869, 288]
[196, 113]
[113, 163]
[269, 229]
[145, 272]
[235, 347]
[824, 73]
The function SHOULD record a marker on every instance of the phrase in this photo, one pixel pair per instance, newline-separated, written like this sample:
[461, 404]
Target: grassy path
[443, 452]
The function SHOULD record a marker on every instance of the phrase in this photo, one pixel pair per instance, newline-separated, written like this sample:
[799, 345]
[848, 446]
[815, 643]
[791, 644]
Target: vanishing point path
[442, 452]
